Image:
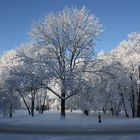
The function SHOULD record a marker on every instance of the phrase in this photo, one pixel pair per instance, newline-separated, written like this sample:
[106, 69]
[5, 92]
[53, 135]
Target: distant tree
[32, 73]
[124, 88]
[9, 98]
[129, 54]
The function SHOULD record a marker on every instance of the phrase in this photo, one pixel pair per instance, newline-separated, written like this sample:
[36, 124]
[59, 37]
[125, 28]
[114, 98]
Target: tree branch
[54, 92]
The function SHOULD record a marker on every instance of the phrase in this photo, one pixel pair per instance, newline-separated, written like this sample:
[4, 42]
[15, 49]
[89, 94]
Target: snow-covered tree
[123, 88]
[9, 98]
[68, 38]
[129, 54]
[33, 73]
[107, 73]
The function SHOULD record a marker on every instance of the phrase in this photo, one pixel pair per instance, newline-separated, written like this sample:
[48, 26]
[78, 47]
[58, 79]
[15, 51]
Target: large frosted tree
[69, 36]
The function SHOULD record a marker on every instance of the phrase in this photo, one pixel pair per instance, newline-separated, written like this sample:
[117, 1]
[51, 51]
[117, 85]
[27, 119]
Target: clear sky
[118, 17]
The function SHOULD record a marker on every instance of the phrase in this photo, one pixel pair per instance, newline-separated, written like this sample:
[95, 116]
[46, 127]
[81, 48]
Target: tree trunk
[124, 106]
[32, 107]
[104, 110]
[138, 103]
[11, 110]
[44, 99]
[126, 114]
[138, 106]
[133, 99]
[32, 104]
[38, 104]
[112, 110]
[62, 108]
[133, 104]
[63, 92]
[28, 108]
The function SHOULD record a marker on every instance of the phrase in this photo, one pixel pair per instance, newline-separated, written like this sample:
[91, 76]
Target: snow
[44, 137]
[74, 121]
[72, 118]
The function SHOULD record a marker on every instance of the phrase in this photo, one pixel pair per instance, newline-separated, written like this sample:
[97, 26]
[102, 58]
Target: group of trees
[61, 55]
[120, 89]
[126, 84]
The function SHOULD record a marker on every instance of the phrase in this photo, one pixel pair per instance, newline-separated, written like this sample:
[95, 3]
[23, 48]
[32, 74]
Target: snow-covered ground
[76, 126]
[44, 137]
[72, 118]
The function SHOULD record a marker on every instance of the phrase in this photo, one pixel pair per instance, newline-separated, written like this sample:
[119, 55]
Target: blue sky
[118, 17]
